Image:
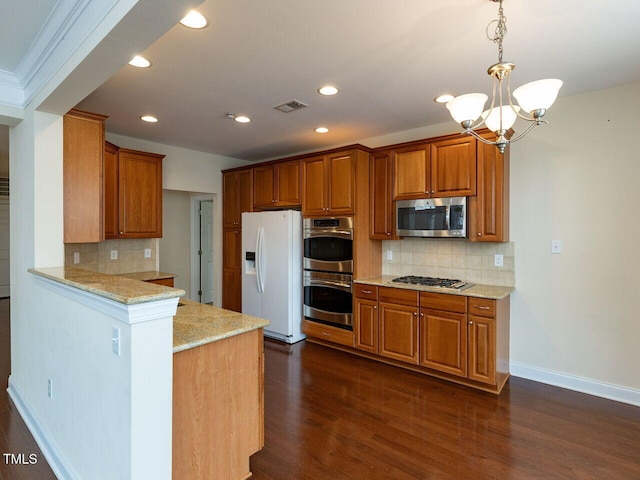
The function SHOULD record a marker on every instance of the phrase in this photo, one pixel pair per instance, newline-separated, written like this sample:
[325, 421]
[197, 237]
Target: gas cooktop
[433, 282]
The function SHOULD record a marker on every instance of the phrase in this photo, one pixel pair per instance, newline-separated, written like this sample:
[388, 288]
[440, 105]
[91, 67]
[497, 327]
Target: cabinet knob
[479, 234]
[388, 234]
[121, 233]
[375, 307]
[422, 314]
[470, 323]
[415, 314]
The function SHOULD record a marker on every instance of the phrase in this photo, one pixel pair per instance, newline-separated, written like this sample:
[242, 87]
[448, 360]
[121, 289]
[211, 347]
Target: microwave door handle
[447, 218]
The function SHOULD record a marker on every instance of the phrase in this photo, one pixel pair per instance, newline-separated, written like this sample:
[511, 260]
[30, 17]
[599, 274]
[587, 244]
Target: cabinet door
[263, 186]
[287, 178]
[411, 171]
[443, 341]
[140, 194]
[399, 332]
[232, 269]
[489, 209]
[341, 183]
[110, 191]
[245, 193]
[366, 325]
[314, 181]
[83, 154]
[230, 195]
[482, 349]
[380, 196]
[453, 167]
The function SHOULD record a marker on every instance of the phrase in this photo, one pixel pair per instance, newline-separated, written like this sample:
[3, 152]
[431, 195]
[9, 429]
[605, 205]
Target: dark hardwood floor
[332, 416]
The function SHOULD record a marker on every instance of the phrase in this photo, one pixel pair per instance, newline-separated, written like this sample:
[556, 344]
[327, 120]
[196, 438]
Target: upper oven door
[328, 249]
[432, 217]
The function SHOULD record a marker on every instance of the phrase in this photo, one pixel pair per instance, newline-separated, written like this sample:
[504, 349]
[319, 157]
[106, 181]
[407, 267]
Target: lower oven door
[328, 298]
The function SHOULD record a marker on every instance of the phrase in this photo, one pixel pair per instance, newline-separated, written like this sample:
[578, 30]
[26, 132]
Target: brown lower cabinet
[454, 337]
[232, 269]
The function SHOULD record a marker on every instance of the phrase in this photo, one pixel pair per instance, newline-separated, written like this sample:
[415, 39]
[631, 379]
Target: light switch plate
[114, 254]
[76, 257]
[556, 246]
[147, 253]
[389, 254]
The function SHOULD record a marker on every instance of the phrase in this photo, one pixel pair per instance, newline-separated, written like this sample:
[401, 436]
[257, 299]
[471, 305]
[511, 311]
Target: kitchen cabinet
[139, 194]
[329, 184]
[232, 269]
[381, 191]
[398, 324]
[438, 168]
[111, 159]
[327, 333]
[166, 282]
[443, 333]
[483, 340]
[365, 321]
[489, 209]
[277, 185]
[237, 196]
[83, 163]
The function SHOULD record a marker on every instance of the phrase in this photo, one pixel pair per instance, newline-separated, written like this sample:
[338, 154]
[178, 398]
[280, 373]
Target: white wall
[175, 244]
[574, 315]
[191, 171]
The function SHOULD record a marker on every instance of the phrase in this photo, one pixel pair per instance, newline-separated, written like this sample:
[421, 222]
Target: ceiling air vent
[291, 106]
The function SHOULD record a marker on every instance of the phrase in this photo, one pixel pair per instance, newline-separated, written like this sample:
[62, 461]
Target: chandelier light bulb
[492, 118]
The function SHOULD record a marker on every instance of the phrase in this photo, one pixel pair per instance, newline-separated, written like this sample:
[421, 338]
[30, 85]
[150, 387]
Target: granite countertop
[147, 276]
[196, 324]
[478, 290]
[113, 287]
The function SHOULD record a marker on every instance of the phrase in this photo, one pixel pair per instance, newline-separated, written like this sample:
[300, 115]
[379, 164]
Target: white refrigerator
[272, 271]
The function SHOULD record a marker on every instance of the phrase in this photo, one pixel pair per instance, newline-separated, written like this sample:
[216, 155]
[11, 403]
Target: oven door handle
[348, 234]
[327, 283]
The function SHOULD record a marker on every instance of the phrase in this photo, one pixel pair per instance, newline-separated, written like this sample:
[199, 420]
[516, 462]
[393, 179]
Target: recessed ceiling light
[242, 119]
[321, 130]
[140, 62]
[328, 90]
[443, 98]
[194, 19]
[148, 118]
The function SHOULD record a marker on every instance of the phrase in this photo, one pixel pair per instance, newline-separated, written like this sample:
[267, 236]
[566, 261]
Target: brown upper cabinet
[489, 209]
[381, 191]
[441, 168]
[139, 194]
[329, 184]
[111, 167]
[277, 185]
[83, 160]
[237, 196]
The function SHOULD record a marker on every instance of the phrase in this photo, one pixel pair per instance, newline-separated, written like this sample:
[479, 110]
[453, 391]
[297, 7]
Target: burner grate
[432, 282]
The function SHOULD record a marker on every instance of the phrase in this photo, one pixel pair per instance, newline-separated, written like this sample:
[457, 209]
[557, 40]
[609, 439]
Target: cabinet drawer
[485, 307]
[443, 301]
[330, 334]
[366, 291]
[398, 296]
[167, 282]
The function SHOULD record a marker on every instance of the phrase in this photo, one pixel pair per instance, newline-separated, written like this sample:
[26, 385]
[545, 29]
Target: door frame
[195, 244]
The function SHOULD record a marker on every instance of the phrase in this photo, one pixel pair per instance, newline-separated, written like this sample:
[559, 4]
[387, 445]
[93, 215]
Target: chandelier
[533, 98]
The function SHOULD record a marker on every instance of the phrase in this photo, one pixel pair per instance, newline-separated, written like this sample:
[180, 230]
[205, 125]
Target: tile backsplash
[97, 256]
[450, 258]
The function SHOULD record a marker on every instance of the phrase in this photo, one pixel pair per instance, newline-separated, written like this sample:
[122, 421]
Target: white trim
[578, 384]
[129, 314]
[47, 444]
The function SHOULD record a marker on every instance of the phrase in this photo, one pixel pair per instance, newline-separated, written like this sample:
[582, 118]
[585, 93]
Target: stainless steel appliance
[328, 298]
[328, 269]
[432, 217]
[444, 283]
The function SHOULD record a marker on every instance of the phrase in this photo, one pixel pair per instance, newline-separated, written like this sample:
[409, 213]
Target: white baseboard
[578, 384]
[50, 449]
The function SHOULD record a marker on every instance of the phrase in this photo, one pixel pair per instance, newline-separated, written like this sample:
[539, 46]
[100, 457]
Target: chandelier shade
[531, 99]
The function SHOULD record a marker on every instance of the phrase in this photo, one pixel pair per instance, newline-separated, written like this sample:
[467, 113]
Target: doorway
[205, 251]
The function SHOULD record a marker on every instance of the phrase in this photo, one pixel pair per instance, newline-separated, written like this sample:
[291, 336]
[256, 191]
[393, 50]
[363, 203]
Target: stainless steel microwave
[432, 217]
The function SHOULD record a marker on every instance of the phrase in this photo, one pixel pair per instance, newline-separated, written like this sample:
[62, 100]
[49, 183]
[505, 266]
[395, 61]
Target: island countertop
[114, 287]
[197, 324]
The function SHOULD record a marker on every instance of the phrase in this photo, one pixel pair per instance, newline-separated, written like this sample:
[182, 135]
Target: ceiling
[389, 62]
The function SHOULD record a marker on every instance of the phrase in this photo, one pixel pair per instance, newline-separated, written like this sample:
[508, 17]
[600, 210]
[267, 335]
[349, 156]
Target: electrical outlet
[498, 260]
[147, 253]
[389, 254]
[115, 340]
[76, 257]
[49, 388]
[114, 254]
[556, 246]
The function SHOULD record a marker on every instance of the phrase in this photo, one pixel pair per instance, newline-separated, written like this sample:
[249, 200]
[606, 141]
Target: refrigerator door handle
[260, 259]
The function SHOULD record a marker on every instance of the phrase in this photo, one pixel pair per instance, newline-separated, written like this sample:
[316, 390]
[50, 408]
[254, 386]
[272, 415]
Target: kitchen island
[201, 395]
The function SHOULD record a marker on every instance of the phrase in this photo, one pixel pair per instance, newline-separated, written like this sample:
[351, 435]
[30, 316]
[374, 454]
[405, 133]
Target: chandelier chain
[499, 32]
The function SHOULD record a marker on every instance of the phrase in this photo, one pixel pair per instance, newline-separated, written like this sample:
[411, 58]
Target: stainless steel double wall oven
[328, 271]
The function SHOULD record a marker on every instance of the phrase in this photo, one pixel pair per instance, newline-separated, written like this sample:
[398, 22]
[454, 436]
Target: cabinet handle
[326, 334]
[481, 307]
[368, 292]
